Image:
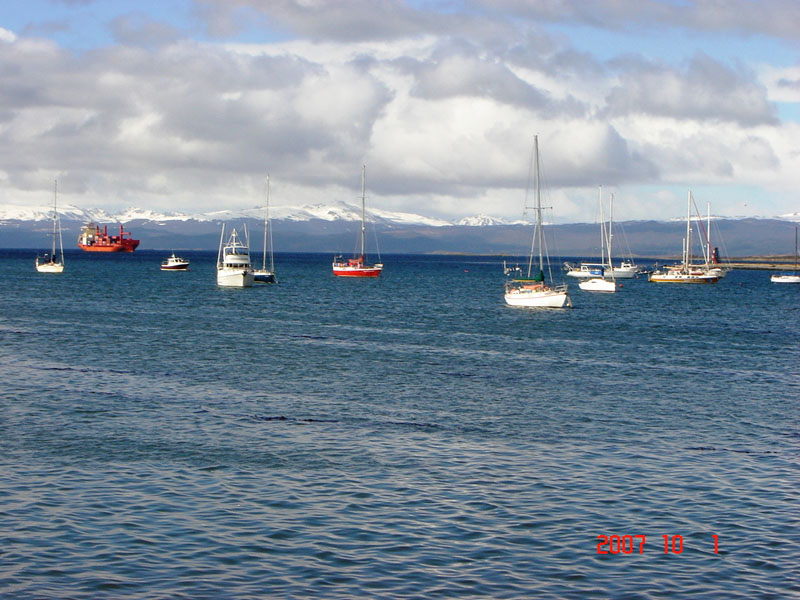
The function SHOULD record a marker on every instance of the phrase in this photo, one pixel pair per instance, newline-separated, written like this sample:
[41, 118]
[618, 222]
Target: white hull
[598, 285]
[625, 271]
[235, 277]
[785, 279]
[540, 297]
[50, 267]
[263, 276]
[175, 263]
[586, 271]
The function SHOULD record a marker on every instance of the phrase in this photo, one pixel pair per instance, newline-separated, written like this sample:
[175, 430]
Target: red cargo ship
[92, 239]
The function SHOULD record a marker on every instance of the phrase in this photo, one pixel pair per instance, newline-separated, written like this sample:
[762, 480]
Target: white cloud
[7, 36]
[442, 110]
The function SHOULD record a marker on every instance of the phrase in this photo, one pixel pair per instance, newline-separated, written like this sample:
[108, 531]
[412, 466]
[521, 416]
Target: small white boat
[598, 284]
[584, 270]
[175, 263]
[50, 263]
[234, 268]
[789, 277]
[626, 270]
[605, 282]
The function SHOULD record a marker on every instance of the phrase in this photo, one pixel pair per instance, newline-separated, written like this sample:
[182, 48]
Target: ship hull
[357, 271]
[240, 278]
[109, 247]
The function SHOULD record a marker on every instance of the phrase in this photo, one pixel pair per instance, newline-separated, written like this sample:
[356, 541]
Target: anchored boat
[52, 263]
[358, 266]
[92, 239]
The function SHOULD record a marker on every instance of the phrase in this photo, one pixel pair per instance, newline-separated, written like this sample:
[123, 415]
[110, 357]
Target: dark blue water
[407, 437]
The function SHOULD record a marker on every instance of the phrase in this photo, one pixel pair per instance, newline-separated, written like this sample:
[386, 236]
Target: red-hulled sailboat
[357, 266]
[92, 239]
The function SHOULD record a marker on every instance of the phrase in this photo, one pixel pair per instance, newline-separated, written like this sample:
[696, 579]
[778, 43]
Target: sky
[187, 105]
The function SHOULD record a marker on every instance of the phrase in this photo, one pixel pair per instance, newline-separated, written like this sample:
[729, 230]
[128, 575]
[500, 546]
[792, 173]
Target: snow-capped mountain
[481, 221]
[339, 211]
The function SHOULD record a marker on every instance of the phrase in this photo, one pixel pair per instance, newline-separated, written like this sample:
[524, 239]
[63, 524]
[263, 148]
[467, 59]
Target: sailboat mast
[687, 249]
[363, 203]
[266, 217]
[55, 216]
[603, 237]
[610, 233]
[269, 225]
[708, 235]
[538, 202]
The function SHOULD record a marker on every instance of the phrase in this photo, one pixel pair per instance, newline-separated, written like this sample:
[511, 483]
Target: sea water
[405, 437]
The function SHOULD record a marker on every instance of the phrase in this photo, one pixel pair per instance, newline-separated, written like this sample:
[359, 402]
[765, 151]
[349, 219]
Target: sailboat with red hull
[358, 266]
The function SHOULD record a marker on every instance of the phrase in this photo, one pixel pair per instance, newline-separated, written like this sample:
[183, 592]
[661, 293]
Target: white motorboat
[175, 263]
[584, 270]
[234, 268]
[626, 270]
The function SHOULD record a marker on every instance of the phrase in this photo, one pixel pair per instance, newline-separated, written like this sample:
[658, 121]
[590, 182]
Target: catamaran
[532, 290]
[52, 263]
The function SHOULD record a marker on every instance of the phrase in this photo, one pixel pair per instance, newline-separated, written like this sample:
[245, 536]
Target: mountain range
[332, 228]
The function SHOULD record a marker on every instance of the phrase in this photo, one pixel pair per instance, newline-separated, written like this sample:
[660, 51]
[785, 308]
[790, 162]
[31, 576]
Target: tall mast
[55, 216]
[269, 224]
[603, 237]
[708, 234]
[266, 218]
[610, 233]
[538, 201]
[363, 202]
[687, 249]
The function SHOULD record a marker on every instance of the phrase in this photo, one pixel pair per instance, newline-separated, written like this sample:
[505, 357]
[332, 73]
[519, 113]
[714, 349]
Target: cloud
[442, 110]
[138, 30]
[342, 21]
[745, 17]
[705, 90]
[7, 36]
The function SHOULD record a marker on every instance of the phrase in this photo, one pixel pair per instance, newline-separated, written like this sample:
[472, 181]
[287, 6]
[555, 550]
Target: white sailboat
[265, 275]
[52, 263]
[789, 277]
[357, 266]
[685, 272]
[233, 261]
[532, 290]
[627, 268]
[605, 282]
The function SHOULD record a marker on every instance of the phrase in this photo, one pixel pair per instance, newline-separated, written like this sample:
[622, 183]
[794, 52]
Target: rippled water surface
[407, 437]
